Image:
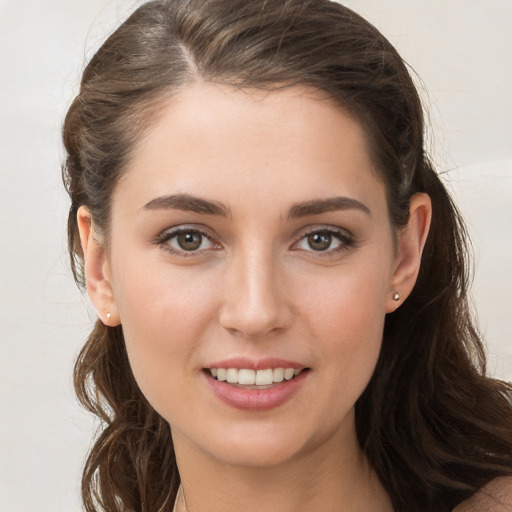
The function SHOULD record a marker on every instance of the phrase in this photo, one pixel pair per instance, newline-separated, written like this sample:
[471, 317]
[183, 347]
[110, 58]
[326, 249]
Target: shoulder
[496, 496]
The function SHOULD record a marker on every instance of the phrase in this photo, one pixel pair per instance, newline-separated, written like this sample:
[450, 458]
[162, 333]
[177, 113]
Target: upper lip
[257, 364]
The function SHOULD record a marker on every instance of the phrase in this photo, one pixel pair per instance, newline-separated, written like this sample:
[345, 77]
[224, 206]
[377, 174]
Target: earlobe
[96, 270]
[411, 241]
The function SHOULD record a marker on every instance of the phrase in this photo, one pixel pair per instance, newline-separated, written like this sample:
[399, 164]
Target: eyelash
[164, 239]
[345, 239]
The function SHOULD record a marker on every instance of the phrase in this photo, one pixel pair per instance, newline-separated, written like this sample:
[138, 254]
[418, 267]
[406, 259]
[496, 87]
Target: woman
[279, 274]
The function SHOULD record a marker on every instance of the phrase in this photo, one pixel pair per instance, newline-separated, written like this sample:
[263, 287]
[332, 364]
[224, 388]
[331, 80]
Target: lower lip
[257, 399]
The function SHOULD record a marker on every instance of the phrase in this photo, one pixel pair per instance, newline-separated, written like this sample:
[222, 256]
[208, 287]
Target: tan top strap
[179, 505]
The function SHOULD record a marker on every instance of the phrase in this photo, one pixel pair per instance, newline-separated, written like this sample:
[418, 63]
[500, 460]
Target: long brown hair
[430, 422]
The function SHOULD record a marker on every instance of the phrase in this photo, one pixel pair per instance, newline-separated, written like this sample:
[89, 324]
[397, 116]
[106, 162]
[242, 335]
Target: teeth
[264, 377]
[278, 374]
[232, 375]
[289, 373]
[248, 377]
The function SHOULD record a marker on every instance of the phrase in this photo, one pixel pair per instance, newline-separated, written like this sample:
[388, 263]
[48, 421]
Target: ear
[97, 271]
[410, 244]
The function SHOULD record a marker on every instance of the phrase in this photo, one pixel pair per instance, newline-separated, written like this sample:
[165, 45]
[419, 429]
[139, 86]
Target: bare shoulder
[496, 496]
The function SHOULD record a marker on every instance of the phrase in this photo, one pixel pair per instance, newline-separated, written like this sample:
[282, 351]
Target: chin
[267, 443]
[259, 453]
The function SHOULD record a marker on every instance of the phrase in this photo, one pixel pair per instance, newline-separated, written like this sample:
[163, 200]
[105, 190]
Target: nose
[254, 301]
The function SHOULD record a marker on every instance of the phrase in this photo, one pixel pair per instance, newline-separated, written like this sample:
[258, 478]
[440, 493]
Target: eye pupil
[320, 241]
[189, 241]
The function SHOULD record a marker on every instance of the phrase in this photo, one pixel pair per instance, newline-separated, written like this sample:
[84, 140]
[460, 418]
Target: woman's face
[250, 240]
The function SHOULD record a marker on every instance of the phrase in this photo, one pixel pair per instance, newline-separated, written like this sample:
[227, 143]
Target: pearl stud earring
[396, 296]
[108, 315]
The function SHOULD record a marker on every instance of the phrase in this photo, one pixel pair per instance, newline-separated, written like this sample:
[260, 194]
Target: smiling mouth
[257, 378]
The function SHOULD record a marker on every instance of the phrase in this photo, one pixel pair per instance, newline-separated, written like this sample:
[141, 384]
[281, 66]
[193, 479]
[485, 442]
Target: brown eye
[328, 241]
[320, 241]
[185, 241]
[189, 240]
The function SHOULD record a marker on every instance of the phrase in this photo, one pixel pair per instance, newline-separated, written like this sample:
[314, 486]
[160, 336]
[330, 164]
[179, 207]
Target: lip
[260, 364]
[256, 399]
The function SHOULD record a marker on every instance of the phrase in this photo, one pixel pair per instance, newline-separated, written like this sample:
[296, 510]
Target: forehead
[216, 139]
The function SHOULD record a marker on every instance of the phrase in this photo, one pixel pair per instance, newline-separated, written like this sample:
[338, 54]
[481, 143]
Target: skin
[256, 288]
[496, 496]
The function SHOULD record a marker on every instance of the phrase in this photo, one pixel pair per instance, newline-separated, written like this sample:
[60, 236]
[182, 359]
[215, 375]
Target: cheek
[165, 318]
[350, 302]
[346, 320]
[351, 332]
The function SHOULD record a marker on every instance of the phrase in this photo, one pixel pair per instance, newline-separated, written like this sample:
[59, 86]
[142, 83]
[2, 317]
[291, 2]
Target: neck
[333, 477]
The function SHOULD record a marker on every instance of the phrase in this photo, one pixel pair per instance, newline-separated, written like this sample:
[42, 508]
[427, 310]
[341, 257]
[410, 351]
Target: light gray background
[462, 49]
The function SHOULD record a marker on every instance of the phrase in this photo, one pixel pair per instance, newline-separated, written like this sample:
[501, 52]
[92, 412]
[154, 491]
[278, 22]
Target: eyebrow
[189, 203]
[330, 204]
[194, 204]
